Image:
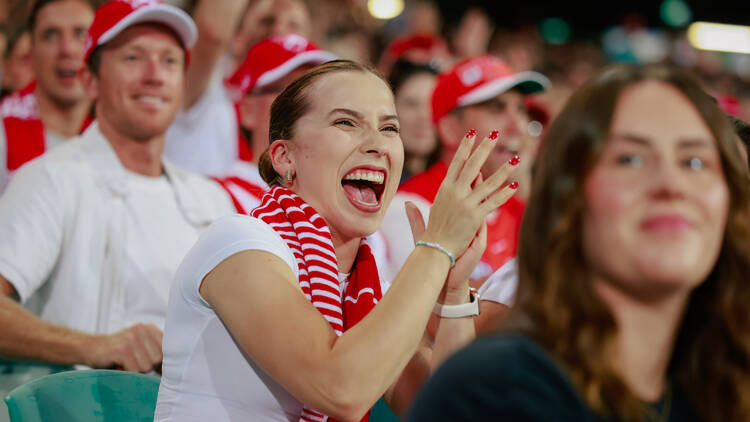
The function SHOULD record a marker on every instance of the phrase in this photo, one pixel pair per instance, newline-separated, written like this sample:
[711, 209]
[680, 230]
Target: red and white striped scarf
[309, 238]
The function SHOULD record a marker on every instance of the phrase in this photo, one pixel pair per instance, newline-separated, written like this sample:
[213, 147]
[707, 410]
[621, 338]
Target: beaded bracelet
[438, 247]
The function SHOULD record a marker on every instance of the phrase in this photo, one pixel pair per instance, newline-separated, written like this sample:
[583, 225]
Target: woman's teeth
[366, 175]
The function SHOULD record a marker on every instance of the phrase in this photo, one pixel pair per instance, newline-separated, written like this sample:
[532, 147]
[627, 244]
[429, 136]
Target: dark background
[590, 17]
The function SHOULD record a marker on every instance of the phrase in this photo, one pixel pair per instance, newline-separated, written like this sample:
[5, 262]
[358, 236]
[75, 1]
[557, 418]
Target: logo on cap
[138, 3]
[295, 43]
[471, 75]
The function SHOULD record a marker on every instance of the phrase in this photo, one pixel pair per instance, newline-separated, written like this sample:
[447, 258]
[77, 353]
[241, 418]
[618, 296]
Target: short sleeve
[31, 227]
[502, 285]
[225, 237]
[499, 379]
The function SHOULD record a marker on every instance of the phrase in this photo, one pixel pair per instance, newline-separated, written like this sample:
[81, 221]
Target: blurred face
[415, 114]
[141, 81]
[18, 70]
[266, 18]
[506, 113]
[347, 153]
[255, 109]
[57, 50]
[657, 200]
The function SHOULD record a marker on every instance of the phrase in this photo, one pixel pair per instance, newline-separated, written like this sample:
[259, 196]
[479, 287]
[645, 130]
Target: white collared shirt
[90, 245]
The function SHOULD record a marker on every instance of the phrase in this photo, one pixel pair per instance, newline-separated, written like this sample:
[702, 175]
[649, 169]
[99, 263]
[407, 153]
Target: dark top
[511, 378]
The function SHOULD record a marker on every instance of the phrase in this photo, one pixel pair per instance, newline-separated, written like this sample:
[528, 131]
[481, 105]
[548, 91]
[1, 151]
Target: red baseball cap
[273, 58]
[115, 16]
[478, 79]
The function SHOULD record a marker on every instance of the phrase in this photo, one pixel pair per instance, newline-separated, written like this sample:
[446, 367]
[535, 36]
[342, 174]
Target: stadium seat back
[85, 396]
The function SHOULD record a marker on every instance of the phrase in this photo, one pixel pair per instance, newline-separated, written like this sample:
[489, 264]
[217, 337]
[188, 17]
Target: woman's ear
[280, 152]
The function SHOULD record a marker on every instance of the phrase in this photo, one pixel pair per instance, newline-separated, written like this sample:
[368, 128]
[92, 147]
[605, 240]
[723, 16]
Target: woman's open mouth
[364, 188]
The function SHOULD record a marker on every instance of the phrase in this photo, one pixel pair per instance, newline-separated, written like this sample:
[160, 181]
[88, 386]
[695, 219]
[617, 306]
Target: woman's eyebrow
[389, 117]
[348, 111]
[358, 115]
[682, 143]
[631, 138]
[695, 143]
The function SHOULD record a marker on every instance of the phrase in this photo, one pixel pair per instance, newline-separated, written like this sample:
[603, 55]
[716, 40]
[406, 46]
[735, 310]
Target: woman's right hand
[459, 210]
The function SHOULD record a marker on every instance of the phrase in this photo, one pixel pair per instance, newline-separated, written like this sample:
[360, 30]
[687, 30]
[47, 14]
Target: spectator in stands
[54, 107]
[91, 233]
[268, 68]
[274, 316]
[17, 69]
[266, 18]
[479, 93]
[634, 262]
[416, 48]
[412, 86]
[205, 136]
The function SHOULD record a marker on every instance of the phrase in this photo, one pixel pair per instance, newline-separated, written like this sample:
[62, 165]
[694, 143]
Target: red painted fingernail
[471, 133]
[513, 185]
[515, 160]
[494, 134]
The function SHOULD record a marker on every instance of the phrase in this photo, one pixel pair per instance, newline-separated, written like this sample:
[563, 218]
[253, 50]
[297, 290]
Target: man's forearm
[25, 336]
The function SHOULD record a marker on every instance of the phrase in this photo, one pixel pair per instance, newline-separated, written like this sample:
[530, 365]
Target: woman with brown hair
[273, 317]
[634, 265]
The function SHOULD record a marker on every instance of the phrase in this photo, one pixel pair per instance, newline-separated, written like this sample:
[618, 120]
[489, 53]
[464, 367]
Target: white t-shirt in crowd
[502, 285]
[205, 375]
[205, 137]
[92, 246]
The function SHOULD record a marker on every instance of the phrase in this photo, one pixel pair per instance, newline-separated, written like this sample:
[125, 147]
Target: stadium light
[719, 37]
[385, 9]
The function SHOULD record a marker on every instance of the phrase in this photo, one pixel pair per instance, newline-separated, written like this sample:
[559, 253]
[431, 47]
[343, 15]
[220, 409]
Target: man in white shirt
[92, 232]
[54, 107]
[205, 136]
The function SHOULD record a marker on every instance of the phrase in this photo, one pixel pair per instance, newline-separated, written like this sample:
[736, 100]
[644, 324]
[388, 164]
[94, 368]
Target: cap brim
[527, 82]
[171, 16]
[314, 57]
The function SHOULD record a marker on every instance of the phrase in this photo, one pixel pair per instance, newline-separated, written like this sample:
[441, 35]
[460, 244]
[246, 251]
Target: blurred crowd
[130, 126]
[347, 29]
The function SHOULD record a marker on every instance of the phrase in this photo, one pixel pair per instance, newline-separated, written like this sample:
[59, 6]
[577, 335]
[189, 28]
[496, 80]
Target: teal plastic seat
[85, 396]
[382, 413]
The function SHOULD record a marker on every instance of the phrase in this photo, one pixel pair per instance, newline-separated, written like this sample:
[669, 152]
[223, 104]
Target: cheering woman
[274, 316]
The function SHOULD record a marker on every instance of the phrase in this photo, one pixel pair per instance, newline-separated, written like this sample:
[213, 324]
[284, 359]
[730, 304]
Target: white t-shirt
[204, 138]
[92, 246]
[205, 375]
[502, 285]
[395, 230]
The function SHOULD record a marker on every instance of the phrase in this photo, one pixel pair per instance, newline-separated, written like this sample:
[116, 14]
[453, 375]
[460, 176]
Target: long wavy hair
[557, 305]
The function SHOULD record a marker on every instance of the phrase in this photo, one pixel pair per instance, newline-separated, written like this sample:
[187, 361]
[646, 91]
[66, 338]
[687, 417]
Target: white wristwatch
[470, 308]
